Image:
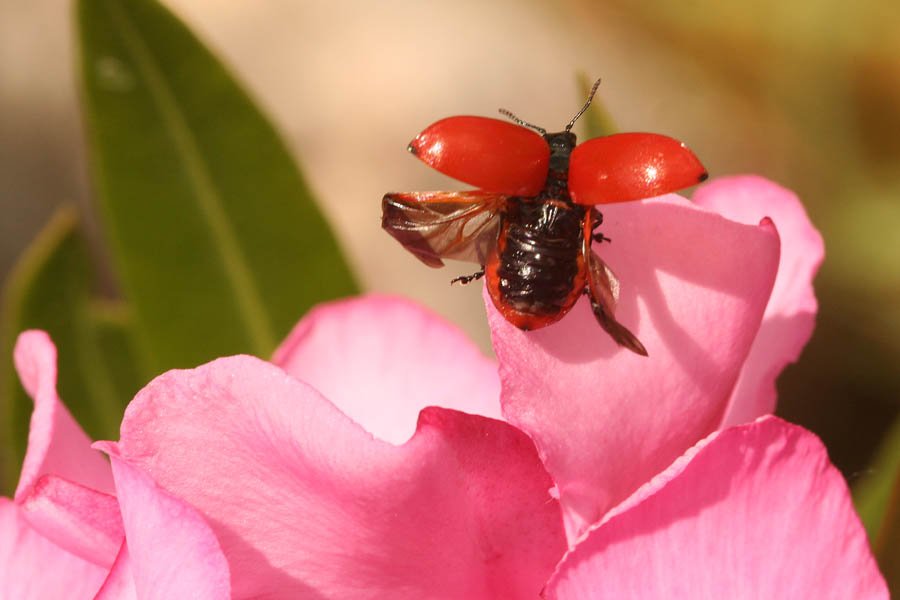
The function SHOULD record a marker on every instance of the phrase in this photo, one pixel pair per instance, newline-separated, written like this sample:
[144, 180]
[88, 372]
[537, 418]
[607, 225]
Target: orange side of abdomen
[524, 319]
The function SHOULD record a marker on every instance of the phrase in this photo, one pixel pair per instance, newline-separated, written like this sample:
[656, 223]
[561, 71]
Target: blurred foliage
[215, 238]
[98, 372]
[882, 504]
[873, 496]
[877, 497]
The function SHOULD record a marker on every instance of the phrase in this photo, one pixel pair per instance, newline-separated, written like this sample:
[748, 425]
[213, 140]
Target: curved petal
[33, 567]
[56, 443]
[755, 511]
[119, 584]
[83, 521]
[605, 420]
[304, 501]
[382, 359]
[791, 313]
[159, 527]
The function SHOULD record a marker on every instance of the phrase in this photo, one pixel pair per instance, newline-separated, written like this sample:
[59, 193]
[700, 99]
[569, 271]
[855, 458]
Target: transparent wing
[603, 288]
[434, 225]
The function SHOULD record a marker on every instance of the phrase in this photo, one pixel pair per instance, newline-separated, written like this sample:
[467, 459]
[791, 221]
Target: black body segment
[541, 242]
[540, 246]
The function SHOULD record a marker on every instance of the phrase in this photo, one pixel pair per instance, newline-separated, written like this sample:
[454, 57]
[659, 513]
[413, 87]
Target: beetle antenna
[519, 121]
[585, 107]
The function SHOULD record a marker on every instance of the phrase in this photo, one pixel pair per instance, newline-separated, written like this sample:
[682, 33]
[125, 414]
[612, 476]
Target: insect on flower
[532, 222]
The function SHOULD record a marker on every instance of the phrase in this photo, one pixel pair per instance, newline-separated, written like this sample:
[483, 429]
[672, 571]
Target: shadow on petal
[694, 286]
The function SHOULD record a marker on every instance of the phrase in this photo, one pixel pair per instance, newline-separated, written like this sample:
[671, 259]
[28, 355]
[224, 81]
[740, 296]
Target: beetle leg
[603, 290]
[468, 278]
[597, 221]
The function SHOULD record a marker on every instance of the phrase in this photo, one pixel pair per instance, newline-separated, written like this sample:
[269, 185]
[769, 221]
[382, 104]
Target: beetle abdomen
[537, 273]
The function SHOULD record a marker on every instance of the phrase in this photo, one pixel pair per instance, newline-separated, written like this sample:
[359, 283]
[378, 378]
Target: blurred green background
[805, 93]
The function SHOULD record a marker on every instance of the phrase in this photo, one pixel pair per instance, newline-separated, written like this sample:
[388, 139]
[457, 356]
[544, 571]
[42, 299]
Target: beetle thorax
[561, 146]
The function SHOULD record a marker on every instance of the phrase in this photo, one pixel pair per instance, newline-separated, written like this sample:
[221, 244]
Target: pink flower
[369, 459]
[62, 536]
[695, 291]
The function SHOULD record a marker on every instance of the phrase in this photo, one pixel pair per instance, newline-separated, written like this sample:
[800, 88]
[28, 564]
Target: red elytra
[631, 166]
[493, 155]
[500, 157]
[532, 223]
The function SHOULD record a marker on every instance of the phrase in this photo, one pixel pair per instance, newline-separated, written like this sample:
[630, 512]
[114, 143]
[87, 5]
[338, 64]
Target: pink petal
[119, 584]
[33, 568]
[382, 359]
[791, 313]
[605, 420]
[172, 552]
[305, 503]
[755, 511]
[83, 521]
[56, 443]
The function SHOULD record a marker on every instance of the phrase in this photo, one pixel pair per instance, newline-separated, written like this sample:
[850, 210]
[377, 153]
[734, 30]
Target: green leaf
[216, 239]
[872, 493]
[49, 289]
[596, 121]
[125, 371]
[877, 498]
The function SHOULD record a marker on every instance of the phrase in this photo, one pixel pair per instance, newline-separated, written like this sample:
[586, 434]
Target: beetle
[531, 223]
